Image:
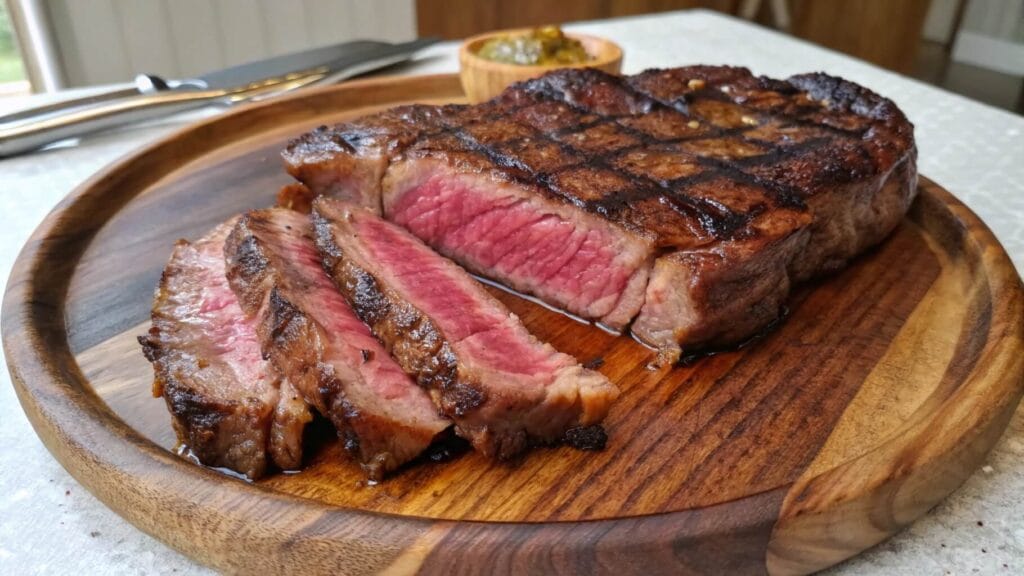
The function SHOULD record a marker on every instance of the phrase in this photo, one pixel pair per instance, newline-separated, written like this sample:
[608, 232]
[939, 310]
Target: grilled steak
[312, 336]
[227, 404]
[685, 201]
[503, 388]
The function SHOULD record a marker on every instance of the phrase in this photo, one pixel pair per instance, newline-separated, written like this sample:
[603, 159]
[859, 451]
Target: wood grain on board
[876, 397]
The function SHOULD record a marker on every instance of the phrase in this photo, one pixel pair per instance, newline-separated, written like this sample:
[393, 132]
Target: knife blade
[256, 71]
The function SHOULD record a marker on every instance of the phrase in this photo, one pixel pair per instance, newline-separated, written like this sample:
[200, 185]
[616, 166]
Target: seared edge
[245, 426]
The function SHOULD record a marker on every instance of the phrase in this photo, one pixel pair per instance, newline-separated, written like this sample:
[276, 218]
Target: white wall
[992, 36]
[1003, 19]
[102, 41]
[938, 23]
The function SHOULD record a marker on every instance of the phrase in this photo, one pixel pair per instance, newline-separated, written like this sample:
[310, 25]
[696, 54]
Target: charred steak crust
[498, 408]
[227, 405]
[733, 186]
[308, 333]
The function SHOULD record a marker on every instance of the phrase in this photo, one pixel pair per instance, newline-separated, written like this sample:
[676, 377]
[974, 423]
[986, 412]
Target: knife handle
[68, 104]
[28, 136]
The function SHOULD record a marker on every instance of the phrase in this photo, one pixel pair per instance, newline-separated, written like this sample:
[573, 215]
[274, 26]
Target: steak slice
[227, 404]
[503, 388]
[312, 336]
[685, 200]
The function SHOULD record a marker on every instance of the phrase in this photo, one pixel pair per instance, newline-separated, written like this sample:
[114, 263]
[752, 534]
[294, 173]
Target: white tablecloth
[50, 524]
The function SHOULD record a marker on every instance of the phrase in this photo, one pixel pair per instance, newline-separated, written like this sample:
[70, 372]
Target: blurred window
[12, 71]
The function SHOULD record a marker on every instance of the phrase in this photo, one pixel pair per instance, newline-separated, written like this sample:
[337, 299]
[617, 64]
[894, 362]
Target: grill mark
[714, 218]
[682, 104]
[777, 152]
[783, 196]
[802, 121]
[722, 225]
[725, 223]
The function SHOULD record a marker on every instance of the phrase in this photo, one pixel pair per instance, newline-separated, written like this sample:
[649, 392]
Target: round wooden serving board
[879, 395]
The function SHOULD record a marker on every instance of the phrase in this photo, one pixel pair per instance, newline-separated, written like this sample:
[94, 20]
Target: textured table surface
[50, 524]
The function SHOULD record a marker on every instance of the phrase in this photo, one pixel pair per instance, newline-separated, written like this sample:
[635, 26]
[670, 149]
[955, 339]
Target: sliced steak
[227, 404]
[686, 200]
[328, 354]
[503, 388]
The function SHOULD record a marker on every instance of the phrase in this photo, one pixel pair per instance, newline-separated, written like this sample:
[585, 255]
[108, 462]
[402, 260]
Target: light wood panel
[877, 396]
[880, 31]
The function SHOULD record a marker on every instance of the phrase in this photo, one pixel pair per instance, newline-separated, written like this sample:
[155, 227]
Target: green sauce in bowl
[546, 46]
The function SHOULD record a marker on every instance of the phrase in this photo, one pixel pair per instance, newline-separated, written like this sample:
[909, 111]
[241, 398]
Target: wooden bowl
[484, 79]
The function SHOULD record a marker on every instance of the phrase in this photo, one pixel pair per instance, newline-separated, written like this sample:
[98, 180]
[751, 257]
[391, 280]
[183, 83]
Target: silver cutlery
[153, 96]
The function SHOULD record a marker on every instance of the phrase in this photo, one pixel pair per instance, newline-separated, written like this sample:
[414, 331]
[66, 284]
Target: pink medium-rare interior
[230, 333]
[348, 337]
[453, 300]
[470, 319]
[504, 233]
